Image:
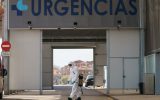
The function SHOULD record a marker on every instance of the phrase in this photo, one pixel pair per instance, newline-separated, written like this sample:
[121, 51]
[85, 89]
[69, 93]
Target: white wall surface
[116, 73]
[124, 61]
[131, 71]
[124, 43]
[24, 65]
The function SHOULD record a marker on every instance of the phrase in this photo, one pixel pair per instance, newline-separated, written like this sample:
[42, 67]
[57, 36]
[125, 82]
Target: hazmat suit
[74, 77]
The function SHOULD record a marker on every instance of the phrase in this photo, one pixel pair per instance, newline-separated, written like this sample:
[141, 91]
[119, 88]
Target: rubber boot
[79, 98]
[69, 98]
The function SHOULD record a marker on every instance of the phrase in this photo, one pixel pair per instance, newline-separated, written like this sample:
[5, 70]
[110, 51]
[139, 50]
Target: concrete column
[47, 66]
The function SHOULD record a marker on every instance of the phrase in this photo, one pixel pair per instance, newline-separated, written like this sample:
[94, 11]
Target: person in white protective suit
[74, 77]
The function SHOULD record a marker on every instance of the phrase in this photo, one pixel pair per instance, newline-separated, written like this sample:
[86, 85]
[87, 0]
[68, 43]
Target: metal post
[41, 43]
[6, 37]
[94, 66]
[142, 46]
[108, 59]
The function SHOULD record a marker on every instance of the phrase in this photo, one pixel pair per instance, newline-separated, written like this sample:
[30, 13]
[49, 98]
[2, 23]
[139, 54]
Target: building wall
[157, 79]
[152, 26]
[123, 47]
[84, 68]
[152, 43]
[124, 43]
[25, 58]
[24, 64]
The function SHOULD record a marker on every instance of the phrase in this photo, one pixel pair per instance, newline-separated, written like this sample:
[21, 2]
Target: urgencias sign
[87, 13]
[79, 7]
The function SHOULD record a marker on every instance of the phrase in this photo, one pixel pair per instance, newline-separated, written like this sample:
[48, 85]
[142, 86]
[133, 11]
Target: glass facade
[150, 64]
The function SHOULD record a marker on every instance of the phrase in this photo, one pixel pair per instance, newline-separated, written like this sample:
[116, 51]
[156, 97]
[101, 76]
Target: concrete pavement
[59, 93]
[60, 97]
[50, 97]
[129, 95]
[62, 93]
[136, 97]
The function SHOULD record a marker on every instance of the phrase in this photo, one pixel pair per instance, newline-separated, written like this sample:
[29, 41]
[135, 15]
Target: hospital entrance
[85, 48]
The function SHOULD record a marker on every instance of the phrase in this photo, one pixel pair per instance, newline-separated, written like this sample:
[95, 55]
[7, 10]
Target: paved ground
[89, 94]
[59, 93]
[137, 97]
[60, 97]
[50, 97]
[130, 95]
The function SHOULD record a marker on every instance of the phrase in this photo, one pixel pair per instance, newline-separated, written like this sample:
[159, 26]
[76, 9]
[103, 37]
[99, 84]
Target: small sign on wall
[5, 53]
